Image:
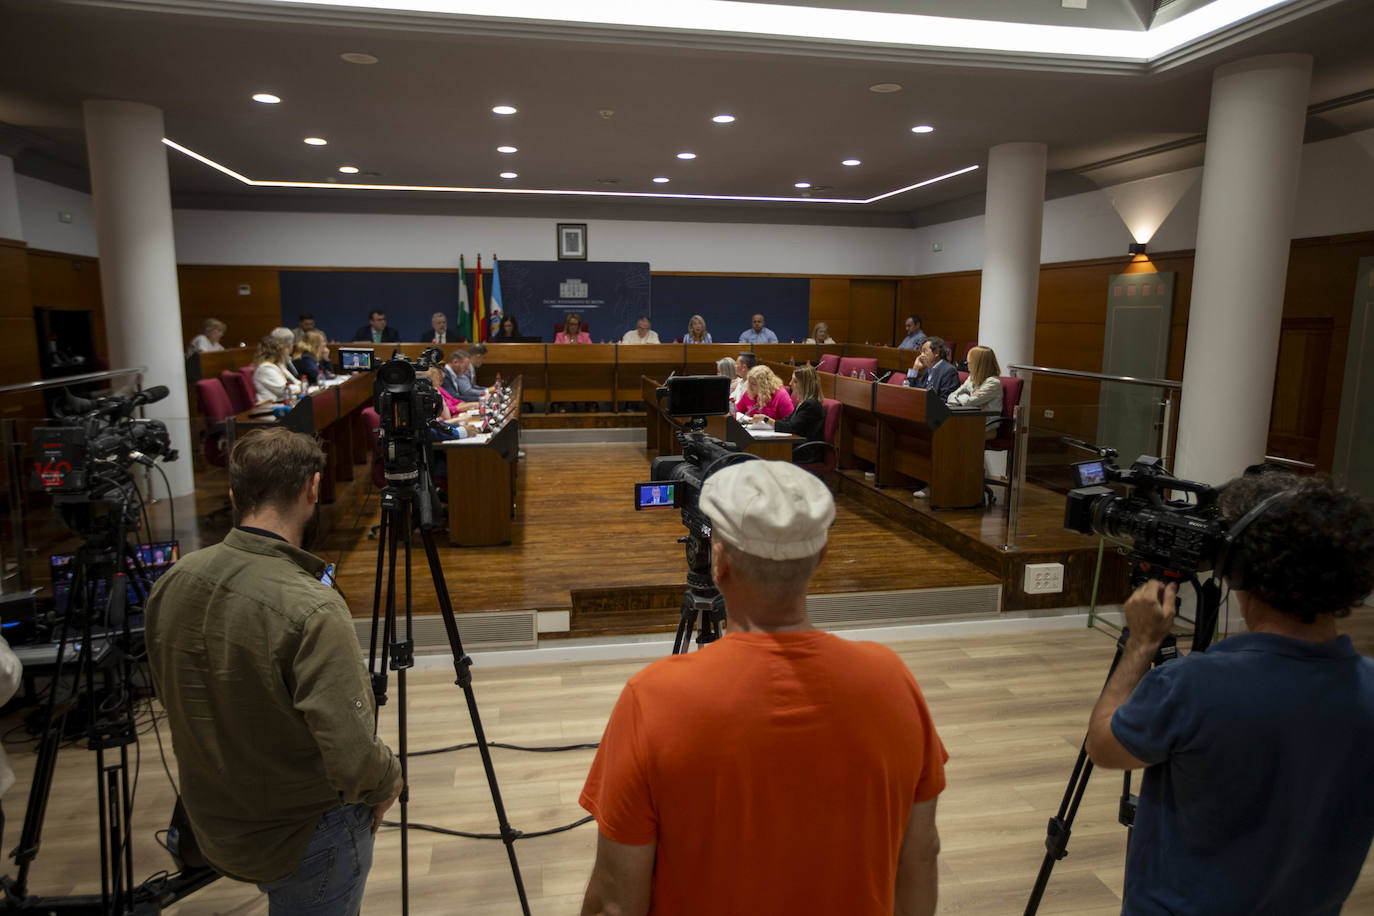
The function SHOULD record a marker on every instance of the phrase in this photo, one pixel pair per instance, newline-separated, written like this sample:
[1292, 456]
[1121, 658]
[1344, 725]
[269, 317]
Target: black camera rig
[409, 406]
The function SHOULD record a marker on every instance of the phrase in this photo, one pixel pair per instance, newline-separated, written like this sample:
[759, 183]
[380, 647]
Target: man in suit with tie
[456, 380]
[933, 370]
[376, 331]
[438, 332]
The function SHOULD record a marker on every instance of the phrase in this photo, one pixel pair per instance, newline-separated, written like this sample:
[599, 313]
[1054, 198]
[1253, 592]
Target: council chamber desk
[482, 480]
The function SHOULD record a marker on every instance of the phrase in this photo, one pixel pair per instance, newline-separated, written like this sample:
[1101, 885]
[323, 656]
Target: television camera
[409, 407]
[677, 481]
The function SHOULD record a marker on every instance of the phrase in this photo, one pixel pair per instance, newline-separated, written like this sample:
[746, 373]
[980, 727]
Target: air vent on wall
[495, 630]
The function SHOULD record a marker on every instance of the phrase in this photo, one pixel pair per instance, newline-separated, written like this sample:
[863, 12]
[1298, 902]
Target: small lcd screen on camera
[355, 359]
[655, 495]
[1089, 473]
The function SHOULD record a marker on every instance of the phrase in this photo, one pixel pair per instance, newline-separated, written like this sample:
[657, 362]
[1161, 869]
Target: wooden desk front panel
[581, 372]
[634, 361]
[479, 496]
[511, 359]
[801, 353]
[701, 359]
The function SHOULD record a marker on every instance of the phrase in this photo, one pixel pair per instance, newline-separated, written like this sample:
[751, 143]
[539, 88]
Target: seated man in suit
[376, 331]
[438, 330]
[458, 377]
[933, 370]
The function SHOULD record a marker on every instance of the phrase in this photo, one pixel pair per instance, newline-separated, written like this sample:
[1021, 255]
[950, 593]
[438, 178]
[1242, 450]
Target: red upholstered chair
[1005, 439]
[830, 431]
[215, 407]
[373, 421]
[247, 373]
[896, 378]
[830, 362]
[866, 366]
[239, 390]
[963, 376]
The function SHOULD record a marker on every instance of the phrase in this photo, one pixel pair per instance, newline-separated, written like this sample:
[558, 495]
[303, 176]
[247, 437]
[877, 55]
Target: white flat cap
[770, 509]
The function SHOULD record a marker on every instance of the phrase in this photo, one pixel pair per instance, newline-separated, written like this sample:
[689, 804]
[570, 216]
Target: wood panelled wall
[18, 334]
[213, 292]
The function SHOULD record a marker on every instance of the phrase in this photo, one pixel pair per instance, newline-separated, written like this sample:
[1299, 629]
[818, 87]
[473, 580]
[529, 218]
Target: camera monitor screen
[355, 359]
[157, 558]
[655, 495]
[1089, 473]
[698, 396]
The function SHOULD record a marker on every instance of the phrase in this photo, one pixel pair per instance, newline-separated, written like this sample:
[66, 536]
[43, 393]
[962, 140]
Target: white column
[138, 265]
[10, 225]
[1249, 185]
[1011, 251]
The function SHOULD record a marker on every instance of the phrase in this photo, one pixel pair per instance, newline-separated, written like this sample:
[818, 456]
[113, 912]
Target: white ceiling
[421, 115]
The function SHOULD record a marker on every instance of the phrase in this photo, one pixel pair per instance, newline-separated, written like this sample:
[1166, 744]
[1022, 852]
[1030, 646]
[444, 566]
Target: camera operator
[779, 769]
[1257, 796]
[270, 707]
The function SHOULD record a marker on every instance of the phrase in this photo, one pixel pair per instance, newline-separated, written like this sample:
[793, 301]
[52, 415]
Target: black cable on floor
[510, 747]
[519, 834]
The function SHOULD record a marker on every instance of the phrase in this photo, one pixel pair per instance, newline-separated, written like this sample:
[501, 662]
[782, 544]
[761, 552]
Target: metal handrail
[1290, 463]
[73, 380]
[1098, 376]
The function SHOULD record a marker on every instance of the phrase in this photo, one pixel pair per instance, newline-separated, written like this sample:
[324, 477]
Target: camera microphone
[149, 395]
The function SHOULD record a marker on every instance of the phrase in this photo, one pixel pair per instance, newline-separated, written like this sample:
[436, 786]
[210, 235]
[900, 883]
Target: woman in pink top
[765, 394]
[572, 331]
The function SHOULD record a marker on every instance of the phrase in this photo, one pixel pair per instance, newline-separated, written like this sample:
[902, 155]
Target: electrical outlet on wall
[1049, 414]
[1044, 578]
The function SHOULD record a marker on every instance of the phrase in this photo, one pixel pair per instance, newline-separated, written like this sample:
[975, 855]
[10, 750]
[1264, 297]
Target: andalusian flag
[494, 318]
[479, 317]
[464, 328]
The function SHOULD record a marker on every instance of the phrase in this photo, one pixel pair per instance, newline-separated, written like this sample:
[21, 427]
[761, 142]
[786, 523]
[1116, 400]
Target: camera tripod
[99, 568]
[1061, 825]
[406, 506]
[703, 607]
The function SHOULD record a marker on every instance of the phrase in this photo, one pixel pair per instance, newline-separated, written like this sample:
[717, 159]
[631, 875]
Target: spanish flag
[479, 309]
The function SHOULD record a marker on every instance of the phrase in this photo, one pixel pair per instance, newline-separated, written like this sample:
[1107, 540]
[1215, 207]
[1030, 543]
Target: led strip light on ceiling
[776, 20]
[359, 186]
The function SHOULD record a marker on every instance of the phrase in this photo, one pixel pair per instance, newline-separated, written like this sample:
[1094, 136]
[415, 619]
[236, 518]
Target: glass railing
[1065, 416]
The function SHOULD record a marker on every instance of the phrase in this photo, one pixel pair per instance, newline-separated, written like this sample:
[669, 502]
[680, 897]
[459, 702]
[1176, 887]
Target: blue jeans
[331, 876]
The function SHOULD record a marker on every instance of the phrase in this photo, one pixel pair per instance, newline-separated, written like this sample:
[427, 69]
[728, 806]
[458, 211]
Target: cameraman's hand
[1150, 611]
[380, 809]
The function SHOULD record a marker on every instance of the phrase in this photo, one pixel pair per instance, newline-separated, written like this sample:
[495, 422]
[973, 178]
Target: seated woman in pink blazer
[572, 331]
[764, 393]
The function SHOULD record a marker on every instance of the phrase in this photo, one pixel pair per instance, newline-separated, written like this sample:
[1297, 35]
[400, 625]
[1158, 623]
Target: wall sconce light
[1135, 248]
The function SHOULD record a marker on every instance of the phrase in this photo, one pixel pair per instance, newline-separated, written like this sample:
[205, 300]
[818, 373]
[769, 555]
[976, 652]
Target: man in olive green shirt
[271, 711]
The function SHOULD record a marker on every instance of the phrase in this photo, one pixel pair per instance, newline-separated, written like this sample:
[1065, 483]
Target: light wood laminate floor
[1010, 708]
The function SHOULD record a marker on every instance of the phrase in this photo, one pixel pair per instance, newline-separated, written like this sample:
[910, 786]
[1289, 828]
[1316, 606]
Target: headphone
[1231, 558]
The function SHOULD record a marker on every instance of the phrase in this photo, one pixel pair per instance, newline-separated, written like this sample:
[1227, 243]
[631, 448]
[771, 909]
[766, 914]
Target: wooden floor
[1010, 708]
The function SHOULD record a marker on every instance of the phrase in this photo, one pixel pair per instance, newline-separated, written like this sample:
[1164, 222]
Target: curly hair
[1308, 553]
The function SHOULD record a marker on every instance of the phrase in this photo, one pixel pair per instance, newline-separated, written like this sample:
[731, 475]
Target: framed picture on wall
[572, 241]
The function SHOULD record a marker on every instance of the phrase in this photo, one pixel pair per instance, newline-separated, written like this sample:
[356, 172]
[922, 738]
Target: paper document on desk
[766, 433]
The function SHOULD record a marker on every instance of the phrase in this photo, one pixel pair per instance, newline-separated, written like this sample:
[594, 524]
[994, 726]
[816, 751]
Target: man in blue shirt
[933, 370]
[914, 335]
[757, 333]
[1257, 797]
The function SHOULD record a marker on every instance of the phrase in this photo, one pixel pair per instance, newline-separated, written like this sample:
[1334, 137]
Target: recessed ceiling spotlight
[509, 175]
[358, 57]
[885, 87]
[802, 184]
[504, 110]
[724, 119]
[922, 129]
[316, 141]
[852, 162]
[507, 149]
[660, 180]
[349, 169]
[686, 155]
[266, 98]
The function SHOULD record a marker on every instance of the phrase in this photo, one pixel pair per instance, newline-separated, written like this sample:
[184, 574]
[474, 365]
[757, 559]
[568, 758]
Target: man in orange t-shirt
[780, 769]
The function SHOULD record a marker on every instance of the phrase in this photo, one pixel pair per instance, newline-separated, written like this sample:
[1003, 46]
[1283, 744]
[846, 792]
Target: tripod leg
[462, 666]
[402, 657]
[1061, 826]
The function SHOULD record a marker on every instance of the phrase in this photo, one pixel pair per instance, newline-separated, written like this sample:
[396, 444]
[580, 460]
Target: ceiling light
[885, 87]
[724, 119]
[922, 129]
[349, 169]
[504, 110]
[852, 162]
[802, 184]
[316, 141]
[507, 149]
[660, 180]
[553, 192]
[509, 175]
[358, 57]
[686, 155]
[266, 98]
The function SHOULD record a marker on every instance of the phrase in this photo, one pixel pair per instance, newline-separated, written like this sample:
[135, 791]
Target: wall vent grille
[494, 630]
[901, 607]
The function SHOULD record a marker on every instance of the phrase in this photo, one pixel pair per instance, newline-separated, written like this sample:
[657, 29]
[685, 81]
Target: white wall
[39, 206]
[1335, 196]
[385, 240]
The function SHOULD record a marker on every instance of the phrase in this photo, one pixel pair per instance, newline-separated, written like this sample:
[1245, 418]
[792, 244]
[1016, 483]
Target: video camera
[1171, 539]
[409, 406]
[91, 452]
